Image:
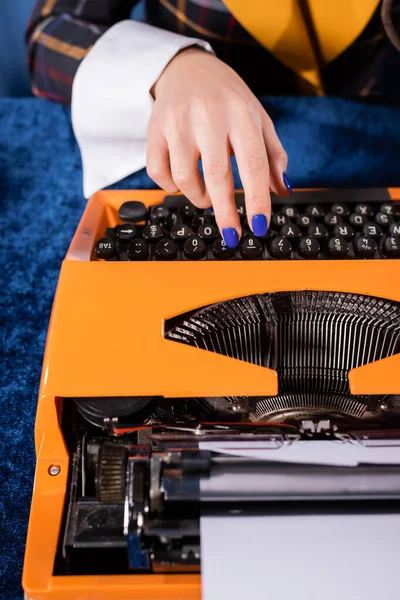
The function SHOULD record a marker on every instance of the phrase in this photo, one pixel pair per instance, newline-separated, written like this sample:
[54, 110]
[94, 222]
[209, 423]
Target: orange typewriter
[165, 347]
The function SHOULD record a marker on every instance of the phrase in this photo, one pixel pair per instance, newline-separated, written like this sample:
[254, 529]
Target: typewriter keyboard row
[176, 230]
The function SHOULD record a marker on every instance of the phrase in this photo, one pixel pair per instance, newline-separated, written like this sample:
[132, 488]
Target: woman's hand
[204, 109]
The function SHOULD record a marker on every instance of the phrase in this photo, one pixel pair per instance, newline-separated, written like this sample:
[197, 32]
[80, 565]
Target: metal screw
[54, 470]
[384, 405]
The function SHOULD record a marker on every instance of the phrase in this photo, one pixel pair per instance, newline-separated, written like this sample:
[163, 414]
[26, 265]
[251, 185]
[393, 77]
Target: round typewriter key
[159, 213]
[309, 247]
[290, 211]
[166, 250]
[279, 220]
[318, 231]
[303, 221]
[341, 210]
[172, 219]
[194, 248]
[391, 246]
[280, 247]
[241, 211]
[153, 233]
[201, 220]
[344, 231]
[188, 211]
[250, 248]
[364, 209]
[138, 250]
[383, 219]
[390, 208]
[338, 247]
[357, 221]
[221, 250]
[106, 248]
[208, 233]
[394, 229]
[373, 231]
[291, 232]
[132, 211]
[180, 232]
[315, 210]
[126, 233]
[365, 247]
[331, 219]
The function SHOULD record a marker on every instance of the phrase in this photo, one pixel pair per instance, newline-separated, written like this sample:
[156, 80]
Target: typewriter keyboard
[299, 230]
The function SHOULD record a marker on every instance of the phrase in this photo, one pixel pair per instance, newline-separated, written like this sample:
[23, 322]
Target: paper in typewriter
[338, 557]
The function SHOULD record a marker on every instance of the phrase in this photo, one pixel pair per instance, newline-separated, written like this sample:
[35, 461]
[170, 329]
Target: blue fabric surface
[330, 143]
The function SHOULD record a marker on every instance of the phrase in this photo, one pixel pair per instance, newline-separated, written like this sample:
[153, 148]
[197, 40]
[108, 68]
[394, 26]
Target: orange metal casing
[105, 338]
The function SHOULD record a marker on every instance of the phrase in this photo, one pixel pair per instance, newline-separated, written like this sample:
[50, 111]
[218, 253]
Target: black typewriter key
[290, 211]
[315, 210]
[291, 232]
[279, 220]
[318, 231]
[338, 247]
[391, 246]
[331, 219]
[394, 229]
[271, 233]
[365, 247]
[389, 208]
[194, 248]
[106, 248]
[221, 250]
[166, 250]
[280, 247]
[303, 221]
[341, 210]
[172, 219]
[372, 230]
[132, 211]
[344, 231]
[175, 201]
[126, 233]
[153, 233]
[188, 211]
[364, 209]
[241, 211]
[180, 232]
[250, 248]
[357, 221]
[383, 219]
[208, 233]
[159, 213]
[309, 247]
[200, 220]
[138, 250]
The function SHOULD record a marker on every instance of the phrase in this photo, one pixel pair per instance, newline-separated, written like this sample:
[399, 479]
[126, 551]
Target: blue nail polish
[259, 225]
[287, 183]
[231, 237]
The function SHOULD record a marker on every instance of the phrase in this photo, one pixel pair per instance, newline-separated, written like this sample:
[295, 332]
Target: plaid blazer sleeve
[59, 35]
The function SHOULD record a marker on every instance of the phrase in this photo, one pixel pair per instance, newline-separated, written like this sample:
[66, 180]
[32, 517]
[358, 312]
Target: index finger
[252, 159]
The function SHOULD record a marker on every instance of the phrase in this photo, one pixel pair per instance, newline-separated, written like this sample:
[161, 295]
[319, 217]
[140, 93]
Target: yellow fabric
[279, 26]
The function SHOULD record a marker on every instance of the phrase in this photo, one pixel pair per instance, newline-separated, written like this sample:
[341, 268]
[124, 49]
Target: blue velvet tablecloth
[330, 143]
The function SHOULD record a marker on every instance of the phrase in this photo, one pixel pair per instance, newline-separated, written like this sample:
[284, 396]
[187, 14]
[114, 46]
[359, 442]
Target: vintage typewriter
[165, 347]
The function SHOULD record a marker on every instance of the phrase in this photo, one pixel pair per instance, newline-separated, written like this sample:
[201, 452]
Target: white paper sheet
[315, 452]
[340, 557]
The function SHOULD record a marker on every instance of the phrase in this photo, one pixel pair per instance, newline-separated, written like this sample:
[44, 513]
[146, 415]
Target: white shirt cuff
[111, 100]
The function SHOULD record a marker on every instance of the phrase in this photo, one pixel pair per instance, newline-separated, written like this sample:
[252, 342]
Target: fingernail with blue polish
[231, 237]
[259, 225]
[287, 183]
